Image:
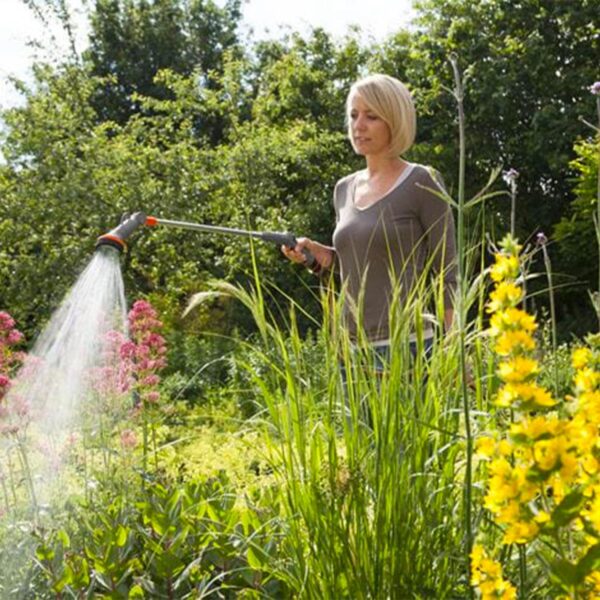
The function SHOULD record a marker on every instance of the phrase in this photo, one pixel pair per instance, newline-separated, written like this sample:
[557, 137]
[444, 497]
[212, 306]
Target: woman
[389, 222]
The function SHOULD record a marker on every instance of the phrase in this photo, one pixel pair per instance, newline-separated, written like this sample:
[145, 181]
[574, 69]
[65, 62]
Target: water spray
[117, 237]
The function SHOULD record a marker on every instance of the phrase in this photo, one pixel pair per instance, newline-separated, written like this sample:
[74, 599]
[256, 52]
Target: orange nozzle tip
[151, 221]
[109, 239]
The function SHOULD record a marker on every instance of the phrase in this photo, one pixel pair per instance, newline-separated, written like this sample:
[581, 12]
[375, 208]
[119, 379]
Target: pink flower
[128, 439]
[152, 397]
[6, 321]
[14, 337]
[4, 382]
[150, 380]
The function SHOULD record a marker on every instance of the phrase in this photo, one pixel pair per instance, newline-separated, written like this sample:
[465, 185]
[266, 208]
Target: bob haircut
[391, 101]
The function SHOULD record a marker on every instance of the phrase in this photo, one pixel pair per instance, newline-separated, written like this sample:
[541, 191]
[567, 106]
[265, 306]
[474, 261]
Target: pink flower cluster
[9, 361]
[145, 352]
[114, 377]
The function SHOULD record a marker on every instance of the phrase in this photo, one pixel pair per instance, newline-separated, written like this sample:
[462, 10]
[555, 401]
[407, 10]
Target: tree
[132, 40]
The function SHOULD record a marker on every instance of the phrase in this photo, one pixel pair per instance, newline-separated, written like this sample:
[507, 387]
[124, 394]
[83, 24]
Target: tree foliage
[132, 40]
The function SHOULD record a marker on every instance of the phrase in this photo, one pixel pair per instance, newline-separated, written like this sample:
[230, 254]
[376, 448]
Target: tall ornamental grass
[371, 463]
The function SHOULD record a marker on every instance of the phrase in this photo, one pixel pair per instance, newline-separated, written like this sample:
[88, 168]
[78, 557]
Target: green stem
[522, 573]
[11, 472]
[513, 209]
[548, 266]
[461, 317]
[5, 492]
[145, 443]
[597, 303]
[154, 450]
[28, 477]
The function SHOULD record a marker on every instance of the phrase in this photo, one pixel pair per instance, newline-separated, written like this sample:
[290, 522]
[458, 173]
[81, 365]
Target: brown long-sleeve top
[388, 243]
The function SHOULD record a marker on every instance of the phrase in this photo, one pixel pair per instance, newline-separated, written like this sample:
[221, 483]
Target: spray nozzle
[116, 237]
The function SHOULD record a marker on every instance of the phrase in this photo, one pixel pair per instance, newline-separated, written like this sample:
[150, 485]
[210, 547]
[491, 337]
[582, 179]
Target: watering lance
[116, 237]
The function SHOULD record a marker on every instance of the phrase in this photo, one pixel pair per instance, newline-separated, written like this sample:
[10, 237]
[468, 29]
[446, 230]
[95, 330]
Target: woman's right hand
[323, 254]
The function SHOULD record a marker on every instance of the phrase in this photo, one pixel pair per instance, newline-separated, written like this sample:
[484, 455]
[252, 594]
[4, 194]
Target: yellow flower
[509, 513]
[546, 453]
[586, 380]
[485, 447]
[518, 369]
[594, 580]
[509, 342]
[520, 532]
[506, 295]
[505, 267]
[505, 448]
[536, 427]
[581, 357]
[568, 466]
[511, 319]
[542, 517]
[486, 574]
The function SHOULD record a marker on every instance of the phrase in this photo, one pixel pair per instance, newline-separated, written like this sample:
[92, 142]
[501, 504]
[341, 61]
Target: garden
[174, 422]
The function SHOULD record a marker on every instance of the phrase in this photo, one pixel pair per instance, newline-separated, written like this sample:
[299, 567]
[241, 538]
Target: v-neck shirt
[405, 173]
[382, 248]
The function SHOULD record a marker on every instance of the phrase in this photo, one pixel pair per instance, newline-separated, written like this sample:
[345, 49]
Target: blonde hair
[391, 101]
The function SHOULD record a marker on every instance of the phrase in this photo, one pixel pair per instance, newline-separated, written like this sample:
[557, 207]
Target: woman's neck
[378, 166]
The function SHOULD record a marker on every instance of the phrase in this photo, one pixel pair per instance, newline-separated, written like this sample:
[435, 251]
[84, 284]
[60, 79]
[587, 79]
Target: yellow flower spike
[510, 342]
[506, 295]
[581, 357]
[518, 369]
[505, 267]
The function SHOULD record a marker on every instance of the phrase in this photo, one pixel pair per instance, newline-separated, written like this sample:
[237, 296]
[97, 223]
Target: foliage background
[169, 112]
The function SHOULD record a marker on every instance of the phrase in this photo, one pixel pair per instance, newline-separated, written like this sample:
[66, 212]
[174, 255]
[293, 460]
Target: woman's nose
[359, 122]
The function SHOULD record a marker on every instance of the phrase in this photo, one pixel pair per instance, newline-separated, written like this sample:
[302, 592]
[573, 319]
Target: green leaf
[568, 509]
[136, 592]
[121, 536]
[565, 573]
[590, 562]
[44, 553]
[64, 538]
[253, 559]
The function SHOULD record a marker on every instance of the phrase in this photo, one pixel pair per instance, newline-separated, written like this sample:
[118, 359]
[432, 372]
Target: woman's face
[369, 134]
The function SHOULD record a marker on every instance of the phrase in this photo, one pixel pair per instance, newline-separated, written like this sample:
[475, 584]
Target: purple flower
[595, 88]
[541, 239]
[510, 176]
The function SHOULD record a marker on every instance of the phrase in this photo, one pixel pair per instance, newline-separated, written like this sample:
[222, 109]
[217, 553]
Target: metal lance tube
[116, 237]
[275, 237]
